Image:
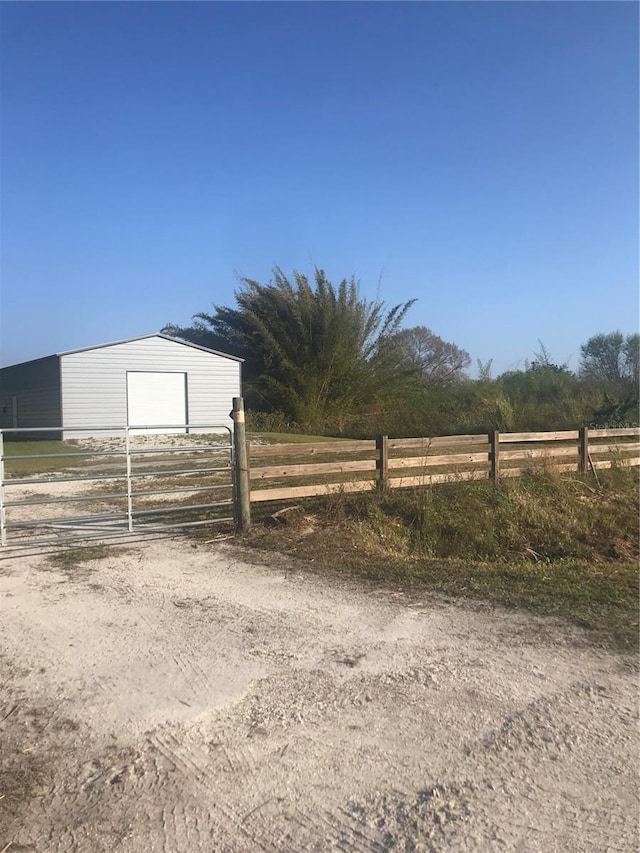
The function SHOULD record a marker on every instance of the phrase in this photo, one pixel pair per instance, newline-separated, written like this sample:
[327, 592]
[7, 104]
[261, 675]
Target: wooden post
[127, 447]
[382, 460]
[583, 450]
[494, 456]
[3, 519]
[242, 495]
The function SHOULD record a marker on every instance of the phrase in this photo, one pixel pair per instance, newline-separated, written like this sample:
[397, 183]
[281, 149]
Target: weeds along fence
[282, 472]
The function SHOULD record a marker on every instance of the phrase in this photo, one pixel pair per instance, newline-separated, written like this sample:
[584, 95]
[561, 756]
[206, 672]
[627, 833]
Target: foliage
[318, 358]
[610, 367]
[544, 392]
[437, 362]
[202, 335]
[543, 396]
[484, 369]
[616, 413]
[275, 421]
[612, 358]
[316, 352]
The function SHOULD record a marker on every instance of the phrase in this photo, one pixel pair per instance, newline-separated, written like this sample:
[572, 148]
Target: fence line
[355, 466]
[260, 473]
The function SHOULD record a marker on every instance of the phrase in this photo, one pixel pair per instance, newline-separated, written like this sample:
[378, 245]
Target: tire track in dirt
[195, 679]
[542, 745]
[205, 770]
[544, 742]
[231, 765]
[386, 733]
[318, 832]
[540, 728]
[182, 829]
[166, 793]
[345, 833]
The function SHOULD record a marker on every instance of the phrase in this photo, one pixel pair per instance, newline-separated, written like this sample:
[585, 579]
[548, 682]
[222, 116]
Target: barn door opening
[156, 401]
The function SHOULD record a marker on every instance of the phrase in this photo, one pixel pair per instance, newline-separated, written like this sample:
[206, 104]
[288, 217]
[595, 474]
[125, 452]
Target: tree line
[321, 359]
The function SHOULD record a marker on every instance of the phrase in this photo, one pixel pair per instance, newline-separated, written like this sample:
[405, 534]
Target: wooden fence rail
[283, 471]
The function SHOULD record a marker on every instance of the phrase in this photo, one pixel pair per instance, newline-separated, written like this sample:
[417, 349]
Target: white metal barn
[153, 380]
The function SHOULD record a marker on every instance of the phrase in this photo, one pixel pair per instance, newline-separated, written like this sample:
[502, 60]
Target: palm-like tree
[314, 351]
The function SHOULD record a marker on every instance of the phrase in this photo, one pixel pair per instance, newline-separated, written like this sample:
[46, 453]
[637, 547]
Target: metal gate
[110, 481]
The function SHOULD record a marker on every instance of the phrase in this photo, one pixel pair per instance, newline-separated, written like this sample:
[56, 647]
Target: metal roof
[131, 340]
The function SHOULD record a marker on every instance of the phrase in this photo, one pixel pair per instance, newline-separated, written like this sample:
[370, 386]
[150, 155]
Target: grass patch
[288, 438]
[52, 462]
[71, 560]
[558, 546]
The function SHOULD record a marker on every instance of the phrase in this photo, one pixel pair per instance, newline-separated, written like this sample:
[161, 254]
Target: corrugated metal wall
[94, 382]
[36, 387]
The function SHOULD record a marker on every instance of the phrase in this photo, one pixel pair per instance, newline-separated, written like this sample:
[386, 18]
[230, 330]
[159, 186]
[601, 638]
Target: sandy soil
[178, 698]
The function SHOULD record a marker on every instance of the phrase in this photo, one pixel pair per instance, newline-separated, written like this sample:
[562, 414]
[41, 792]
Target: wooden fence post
[3, 520]
[242, 495]
[583, 450]
[494, 456]
[382, 459]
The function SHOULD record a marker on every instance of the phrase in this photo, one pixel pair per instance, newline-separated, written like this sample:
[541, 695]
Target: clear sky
[482, 157]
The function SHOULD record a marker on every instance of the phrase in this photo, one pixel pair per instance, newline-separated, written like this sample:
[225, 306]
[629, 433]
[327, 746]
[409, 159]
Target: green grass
[289, 438]
[558, 546]
[601, 597]
[19, 448]
[31, 467]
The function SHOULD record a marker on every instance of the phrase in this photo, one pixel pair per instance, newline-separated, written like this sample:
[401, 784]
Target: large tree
[612, 358]
[437, 362]
[315, 351]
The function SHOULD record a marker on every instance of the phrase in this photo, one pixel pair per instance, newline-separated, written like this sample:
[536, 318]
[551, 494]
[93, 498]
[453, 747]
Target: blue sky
[481, 157]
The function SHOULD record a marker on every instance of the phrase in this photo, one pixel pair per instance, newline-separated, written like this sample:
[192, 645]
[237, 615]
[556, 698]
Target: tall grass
[541, 517]
[517, 402]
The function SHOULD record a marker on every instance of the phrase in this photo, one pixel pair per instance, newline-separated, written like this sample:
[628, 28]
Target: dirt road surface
[179, 698]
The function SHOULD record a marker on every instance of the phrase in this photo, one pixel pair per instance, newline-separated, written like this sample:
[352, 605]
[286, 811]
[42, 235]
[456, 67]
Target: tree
[437, 362]
[484, 370]
[314, 351]
[612, 358]
[631, 355]
[611, 364]
[199, 334]
[543, 381]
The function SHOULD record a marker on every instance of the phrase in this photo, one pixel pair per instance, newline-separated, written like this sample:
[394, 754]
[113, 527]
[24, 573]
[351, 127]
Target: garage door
[156, 400]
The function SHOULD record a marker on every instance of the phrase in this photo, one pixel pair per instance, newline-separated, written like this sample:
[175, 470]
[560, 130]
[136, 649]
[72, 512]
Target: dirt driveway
[178, 698]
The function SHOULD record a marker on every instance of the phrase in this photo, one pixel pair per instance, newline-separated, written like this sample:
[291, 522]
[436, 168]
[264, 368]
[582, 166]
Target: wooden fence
[285, 471]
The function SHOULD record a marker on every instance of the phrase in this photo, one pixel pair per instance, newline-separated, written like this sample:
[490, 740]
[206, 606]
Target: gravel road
[180, 698]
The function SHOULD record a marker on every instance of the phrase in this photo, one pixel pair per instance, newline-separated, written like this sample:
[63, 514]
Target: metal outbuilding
[150, 380]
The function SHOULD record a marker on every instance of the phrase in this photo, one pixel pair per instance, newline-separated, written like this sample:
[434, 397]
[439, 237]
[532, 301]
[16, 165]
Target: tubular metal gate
[151, 482]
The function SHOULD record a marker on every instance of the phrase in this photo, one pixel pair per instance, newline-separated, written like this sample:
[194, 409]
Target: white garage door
[156, 400]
